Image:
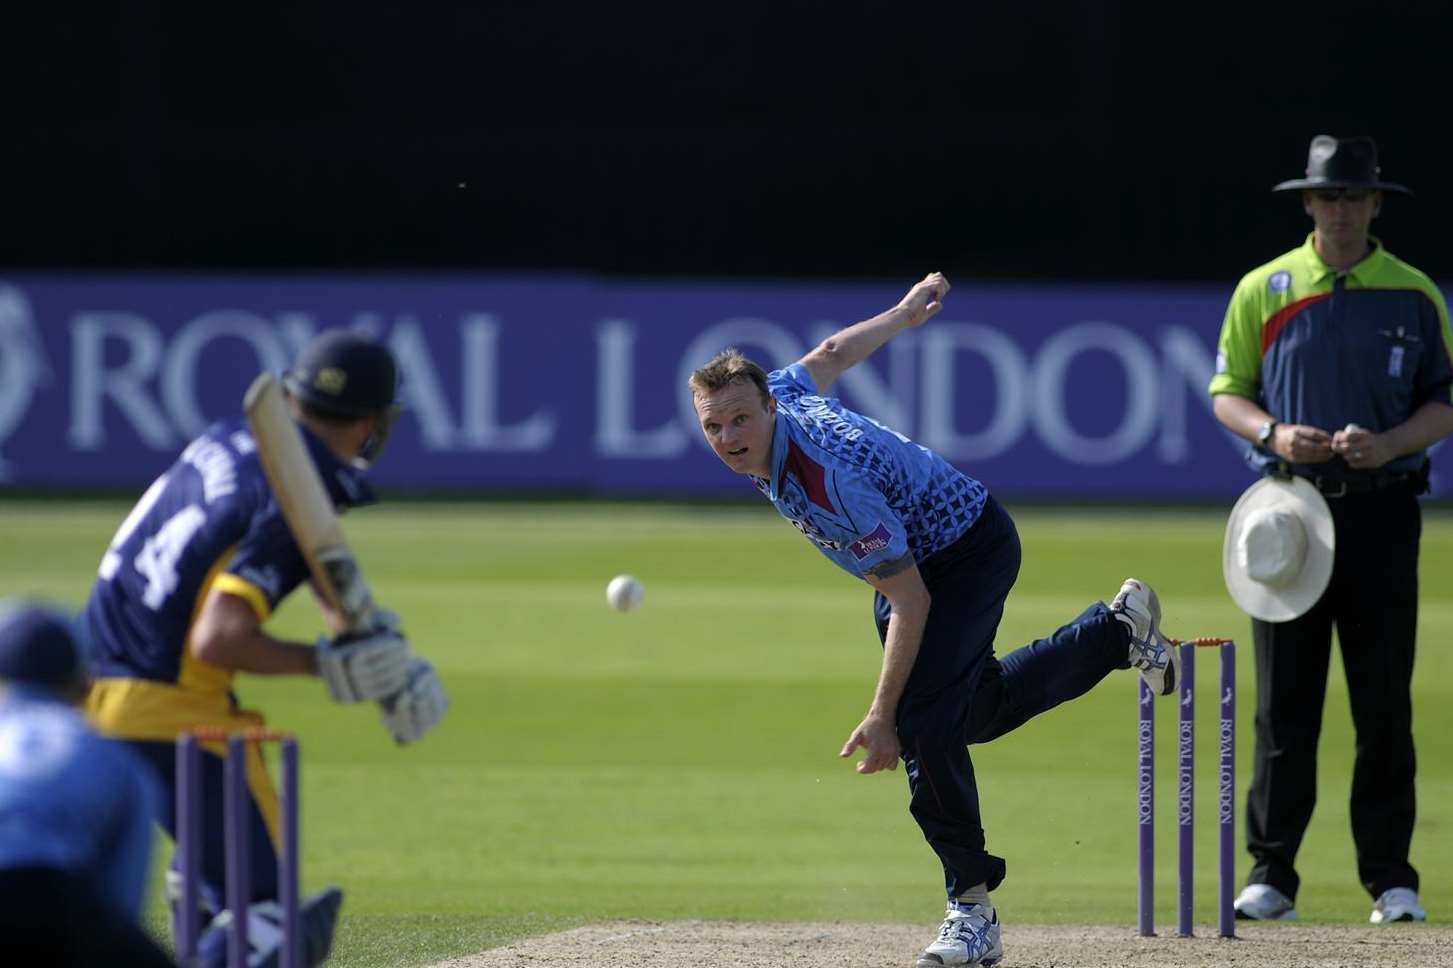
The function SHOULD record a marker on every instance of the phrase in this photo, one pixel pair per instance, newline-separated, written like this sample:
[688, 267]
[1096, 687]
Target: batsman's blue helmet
[344, 374]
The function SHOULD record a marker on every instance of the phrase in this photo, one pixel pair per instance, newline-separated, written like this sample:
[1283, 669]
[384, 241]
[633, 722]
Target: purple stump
[238, 833]
[288, 870]
[1186, 792]
[189, 847]
[1226, 790]
[1145, 812]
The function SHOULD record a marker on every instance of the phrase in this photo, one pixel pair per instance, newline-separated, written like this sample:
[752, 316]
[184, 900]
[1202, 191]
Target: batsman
[941, 555]
[179, 602]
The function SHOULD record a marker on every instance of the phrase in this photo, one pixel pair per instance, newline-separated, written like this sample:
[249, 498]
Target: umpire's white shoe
[1397, 904]
[1156, 657]
[1262, 902]
[969, 937]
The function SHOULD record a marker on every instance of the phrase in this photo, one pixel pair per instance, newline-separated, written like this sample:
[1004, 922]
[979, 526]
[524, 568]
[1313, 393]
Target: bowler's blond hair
[725, 369]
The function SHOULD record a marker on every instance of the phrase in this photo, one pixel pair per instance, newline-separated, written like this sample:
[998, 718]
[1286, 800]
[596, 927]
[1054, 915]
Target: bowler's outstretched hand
[925, 299]
[879, 738]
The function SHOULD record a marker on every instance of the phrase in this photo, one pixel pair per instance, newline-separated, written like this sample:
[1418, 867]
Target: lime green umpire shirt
[1369, 346]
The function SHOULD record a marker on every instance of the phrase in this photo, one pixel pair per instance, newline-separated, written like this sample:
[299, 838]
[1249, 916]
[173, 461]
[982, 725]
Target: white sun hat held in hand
[1277, 558]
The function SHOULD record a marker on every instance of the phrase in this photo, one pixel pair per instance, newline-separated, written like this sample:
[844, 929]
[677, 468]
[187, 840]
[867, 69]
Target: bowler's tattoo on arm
[887, 569]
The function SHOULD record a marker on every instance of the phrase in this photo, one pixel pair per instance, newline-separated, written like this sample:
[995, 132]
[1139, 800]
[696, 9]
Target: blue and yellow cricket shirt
[1311, 346]
[863, 494]
[209, 522]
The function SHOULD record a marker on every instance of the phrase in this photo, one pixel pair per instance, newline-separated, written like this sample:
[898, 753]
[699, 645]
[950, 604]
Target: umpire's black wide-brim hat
[1342, 163]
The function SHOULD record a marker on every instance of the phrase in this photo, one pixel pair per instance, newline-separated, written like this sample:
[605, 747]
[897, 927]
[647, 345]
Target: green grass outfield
[680, 761]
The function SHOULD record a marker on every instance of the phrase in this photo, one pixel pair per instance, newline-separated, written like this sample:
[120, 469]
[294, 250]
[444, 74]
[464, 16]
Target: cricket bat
[305, 504]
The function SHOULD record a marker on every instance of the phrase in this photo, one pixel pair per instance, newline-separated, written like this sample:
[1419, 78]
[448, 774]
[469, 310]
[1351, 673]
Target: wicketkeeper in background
[199, 564]
[941, 555]
[76, 810]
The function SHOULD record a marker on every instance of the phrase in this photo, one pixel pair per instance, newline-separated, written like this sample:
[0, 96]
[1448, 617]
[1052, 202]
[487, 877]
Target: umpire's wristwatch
[1263, 436]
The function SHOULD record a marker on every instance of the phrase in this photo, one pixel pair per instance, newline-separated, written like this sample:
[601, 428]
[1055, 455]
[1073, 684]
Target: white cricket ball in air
[625, 592]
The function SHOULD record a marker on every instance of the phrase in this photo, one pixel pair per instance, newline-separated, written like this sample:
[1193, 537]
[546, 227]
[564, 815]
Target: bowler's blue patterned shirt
[862, 493]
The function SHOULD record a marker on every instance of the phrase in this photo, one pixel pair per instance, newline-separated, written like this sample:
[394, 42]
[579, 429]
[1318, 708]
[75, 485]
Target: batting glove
[368, 665]
[418, 706]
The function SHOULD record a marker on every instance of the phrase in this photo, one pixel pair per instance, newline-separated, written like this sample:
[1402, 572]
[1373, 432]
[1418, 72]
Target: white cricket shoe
[1262, 902]
[1397, 904]
[969, 937]
[1156, 656]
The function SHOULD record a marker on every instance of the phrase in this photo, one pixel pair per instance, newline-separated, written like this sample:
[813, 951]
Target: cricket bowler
[941, 555]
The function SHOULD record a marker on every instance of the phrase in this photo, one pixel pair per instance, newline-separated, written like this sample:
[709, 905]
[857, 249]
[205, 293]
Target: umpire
[1334, 365]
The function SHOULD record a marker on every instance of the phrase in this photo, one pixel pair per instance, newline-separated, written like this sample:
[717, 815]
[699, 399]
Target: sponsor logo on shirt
[264, 577]
[1220, 362]
[1279, 281]
[820, 410]
[816, 534]
[871, 543]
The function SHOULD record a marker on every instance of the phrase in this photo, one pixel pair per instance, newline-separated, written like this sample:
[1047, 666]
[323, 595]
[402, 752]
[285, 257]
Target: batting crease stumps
[1185, 792]
[237, 835]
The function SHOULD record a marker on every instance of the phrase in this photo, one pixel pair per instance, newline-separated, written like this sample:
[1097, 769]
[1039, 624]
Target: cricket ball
[625, 592]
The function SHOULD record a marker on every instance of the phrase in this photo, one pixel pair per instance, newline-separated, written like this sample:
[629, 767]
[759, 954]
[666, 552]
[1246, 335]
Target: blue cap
[344, 374]
[38, 645]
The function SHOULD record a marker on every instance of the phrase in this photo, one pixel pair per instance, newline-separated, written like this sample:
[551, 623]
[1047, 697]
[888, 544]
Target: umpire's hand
[1302, 444]
[1362, 449]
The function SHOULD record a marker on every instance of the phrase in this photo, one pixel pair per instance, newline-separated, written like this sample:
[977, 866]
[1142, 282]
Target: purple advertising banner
[572, 382]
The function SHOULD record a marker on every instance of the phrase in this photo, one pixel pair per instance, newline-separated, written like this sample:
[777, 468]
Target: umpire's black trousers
[1373, 602]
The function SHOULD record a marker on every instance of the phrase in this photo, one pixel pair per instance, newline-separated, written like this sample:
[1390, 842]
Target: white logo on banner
[1028, 391]
[969, 390]
[23, 366]
[117, 357]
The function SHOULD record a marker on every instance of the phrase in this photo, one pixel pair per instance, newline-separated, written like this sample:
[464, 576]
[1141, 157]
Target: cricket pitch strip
[724, 944]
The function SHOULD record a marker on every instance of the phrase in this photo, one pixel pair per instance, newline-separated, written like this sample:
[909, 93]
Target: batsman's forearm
[900, 652]
[263, 655]
[228, 633]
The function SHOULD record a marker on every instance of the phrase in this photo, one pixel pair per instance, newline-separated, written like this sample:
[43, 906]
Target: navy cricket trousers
[959, 693]
[163, 758]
